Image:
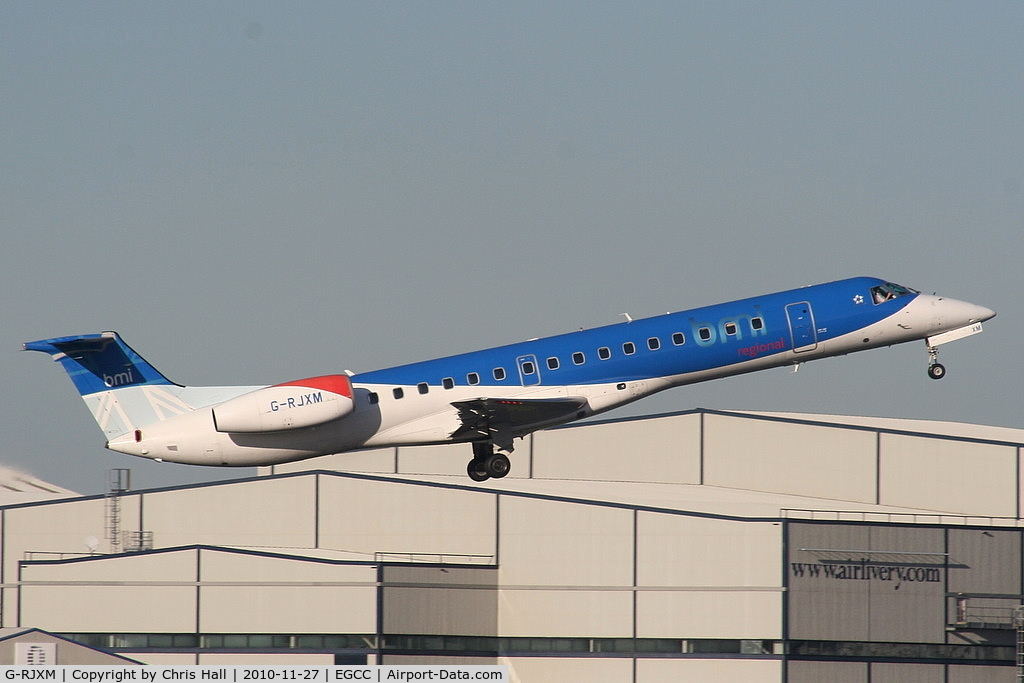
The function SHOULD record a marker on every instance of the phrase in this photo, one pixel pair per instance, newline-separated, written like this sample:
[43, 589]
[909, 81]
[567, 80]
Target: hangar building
[704, 545]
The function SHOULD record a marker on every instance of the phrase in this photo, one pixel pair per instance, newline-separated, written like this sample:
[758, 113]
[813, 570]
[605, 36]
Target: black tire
[498, 465]
[937, 371]
[477, 471]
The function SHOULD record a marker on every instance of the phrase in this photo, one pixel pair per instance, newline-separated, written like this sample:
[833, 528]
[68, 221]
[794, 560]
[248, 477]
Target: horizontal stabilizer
[99, 362]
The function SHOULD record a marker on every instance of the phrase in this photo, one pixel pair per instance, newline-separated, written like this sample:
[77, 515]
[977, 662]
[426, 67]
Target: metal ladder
[118, 482]
[1018, 622]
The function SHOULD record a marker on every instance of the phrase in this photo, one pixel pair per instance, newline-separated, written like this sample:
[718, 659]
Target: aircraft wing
[500, 419]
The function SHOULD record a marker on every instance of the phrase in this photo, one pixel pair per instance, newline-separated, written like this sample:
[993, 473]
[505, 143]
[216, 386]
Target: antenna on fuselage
[628, 318]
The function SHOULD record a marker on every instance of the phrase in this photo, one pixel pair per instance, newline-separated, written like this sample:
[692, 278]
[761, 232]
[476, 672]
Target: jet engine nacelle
[292, 405]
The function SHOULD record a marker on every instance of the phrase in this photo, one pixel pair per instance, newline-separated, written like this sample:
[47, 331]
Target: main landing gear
[936, 370]
[487, 464]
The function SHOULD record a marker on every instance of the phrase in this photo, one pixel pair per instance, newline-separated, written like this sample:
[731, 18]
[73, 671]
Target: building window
[398, 392]
[654, 343]
[552, 363]
[578, 358]
[473, 378]
[678, 338]
[448, 383]
[629, 348]
[604, 353]
[422, 387]
[499, 374]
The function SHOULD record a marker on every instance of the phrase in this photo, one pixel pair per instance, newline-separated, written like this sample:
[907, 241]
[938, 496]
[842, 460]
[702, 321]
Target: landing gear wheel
[497, 465]
[487, 464]
[936, 370]
[477, 471]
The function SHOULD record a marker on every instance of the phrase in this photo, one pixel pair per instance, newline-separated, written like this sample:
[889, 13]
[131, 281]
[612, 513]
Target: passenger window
[756, 323]
[398, 392]
[473, 378]
[373, 398]
[654, 343]
[552, 363]
[678, 338]
[730, 329]
[499, 374]
[604, 353]
[528, 368]
[448, 383]
[629, 348]
[704, 333]
[423, 387]
[578, 358]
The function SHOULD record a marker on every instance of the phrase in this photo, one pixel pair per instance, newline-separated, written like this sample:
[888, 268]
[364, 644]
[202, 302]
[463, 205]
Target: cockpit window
[889, 291]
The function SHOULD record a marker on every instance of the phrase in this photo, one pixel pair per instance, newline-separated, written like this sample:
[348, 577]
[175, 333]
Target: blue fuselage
[779, 326]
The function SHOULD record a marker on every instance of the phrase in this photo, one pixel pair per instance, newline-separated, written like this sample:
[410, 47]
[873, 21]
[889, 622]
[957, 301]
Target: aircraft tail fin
[121, 389]
[99, 362]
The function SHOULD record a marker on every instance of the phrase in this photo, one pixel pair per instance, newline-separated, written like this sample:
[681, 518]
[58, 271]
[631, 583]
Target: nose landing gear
[936, 370]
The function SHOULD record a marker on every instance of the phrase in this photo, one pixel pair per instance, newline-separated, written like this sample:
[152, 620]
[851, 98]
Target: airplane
[491, 397]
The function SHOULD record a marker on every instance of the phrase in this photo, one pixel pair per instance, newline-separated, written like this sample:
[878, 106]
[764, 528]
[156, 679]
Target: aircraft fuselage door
[529, 372]
[801, 326]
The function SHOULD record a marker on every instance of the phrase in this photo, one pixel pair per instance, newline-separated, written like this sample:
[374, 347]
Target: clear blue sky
[255, 192]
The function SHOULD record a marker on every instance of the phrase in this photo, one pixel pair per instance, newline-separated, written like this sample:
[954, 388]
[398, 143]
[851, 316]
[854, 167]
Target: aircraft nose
[984, 314]
[966, 313]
